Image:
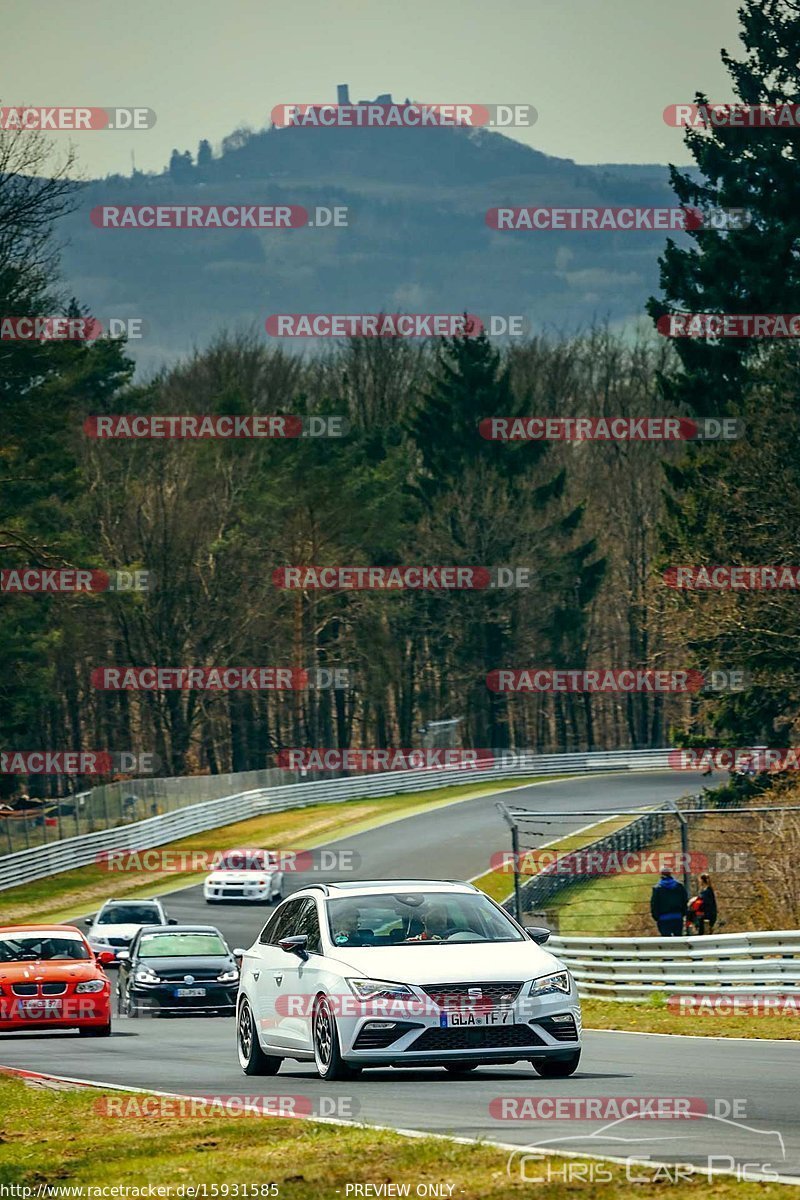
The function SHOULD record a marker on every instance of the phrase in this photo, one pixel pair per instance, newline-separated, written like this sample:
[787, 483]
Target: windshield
[246, 860]
[182, 945]
[419, 918]
[28, 947]
[130, 914]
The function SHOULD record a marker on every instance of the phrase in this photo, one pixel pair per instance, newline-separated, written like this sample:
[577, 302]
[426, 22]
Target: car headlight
[228, 976]
[91, 985]
[96, 940]
[145, 975]
[374, 989]
[546, 985]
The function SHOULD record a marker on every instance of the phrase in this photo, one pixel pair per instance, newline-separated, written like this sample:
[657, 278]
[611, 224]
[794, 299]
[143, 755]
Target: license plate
[39, 1009]
[190, 991]
[458, 1020]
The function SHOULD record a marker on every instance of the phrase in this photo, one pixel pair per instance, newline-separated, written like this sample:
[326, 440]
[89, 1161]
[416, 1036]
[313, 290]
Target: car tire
[460, 1068]
[252, 1058]
[556, 1068]
[95, 1030]
[129, 1007]
[327, 1048]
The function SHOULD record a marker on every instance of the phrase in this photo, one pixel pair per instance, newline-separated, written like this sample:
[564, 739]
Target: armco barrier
[636, 968]
[40, 861]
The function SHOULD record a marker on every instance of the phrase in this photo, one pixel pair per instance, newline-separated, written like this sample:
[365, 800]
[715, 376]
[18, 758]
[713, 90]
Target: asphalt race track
[745, 1093]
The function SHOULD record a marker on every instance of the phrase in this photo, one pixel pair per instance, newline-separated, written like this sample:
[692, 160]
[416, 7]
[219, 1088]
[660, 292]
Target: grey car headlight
[145, 975]
[374, 989]
[548, 985]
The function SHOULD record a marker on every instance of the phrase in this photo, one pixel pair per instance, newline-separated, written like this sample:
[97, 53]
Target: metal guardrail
[636, 968]
[37, 862]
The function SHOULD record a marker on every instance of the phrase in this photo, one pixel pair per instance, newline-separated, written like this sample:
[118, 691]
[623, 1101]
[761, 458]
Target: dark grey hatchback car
[180, 969]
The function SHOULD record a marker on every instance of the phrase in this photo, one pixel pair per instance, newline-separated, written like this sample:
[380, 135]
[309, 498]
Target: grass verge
[500, 884]
[58, 1138]
[59, 897]
[655, 1017]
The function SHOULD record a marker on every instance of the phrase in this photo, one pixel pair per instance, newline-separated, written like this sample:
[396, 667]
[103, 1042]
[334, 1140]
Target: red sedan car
[50, 978]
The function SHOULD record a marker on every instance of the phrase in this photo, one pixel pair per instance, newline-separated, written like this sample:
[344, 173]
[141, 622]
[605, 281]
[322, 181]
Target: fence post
[509, 820]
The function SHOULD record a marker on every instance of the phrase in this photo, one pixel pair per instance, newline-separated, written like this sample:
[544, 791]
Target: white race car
[403, 973]
[245, 875]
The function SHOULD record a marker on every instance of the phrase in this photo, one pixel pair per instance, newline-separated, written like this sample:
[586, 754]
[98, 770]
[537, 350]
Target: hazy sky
[599, 72]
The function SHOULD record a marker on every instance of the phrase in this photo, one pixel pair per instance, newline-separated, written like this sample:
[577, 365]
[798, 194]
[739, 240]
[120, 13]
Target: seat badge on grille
[474, 993]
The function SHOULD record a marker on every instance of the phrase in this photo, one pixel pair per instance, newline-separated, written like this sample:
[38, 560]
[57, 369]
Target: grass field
[59, 1138]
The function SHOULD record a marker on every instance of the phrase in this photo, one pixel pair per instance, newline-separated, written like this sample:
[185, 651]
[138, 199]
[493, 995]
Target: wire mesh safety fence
[732, 864]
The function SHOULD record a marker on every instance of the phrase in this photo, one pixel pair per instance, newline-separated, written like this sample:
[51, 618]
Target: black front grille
[230, 891]
[179, 977]
[119, 941]
[477, 1037]
[562, 1031]
[456, 995]
[53, 989]
[377, 1039]
[25, 989]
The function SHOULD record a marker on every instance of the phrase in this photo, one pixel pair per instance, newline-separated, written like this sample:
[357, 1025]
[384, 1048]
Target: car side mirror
[538, 934]
[238, 954]
[172, 921]
[296, 945]
[106, 956]
[88, 921]
[123, 956]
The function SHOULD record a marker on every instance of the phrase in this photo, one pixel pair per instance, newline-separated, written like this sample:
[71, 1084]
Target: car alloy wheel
[252, 1058]
[325, 1036]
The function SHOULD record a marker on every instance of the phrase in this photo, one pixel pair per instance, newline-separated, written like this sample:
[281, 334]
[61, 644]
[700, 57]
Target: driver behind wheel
[436, 926]
[346, 931]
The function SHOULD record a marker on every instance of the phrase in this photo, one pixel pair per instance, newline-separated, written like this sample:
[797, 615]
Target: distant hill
[418, 241]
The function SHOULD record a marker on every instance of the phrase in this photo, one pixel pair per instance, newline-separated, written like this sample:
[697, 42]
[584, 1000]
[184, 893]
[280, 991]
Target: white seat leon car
[403, 973]
[241, 875]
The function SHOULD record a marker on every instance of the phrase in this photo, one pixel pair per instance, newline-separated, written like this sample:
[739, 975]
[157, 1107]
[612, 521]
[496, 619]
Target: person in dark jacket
[668, 903]
[708, 914]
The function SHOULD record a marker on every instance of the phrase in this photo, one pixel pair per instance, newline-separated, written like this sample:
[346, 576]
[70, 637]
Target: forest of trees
[413, 482]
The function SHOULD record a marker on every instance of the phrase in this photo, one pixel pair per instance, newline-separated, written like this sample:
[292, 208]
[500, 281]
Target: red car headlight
[91, 985]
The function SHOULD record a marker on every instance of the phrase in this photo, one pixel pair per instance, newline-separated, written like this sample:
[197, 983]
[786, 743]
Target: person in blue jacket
[668, 903]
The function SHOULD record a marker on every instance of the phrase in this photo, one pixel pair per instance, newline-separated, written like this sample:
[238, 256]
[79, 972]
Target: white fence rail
[40, 861]
[635, 968]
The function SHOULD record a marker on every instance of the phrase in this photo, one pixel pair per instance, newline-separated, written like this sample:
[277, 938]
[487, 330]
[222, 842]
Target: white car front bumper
[525, 1029]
